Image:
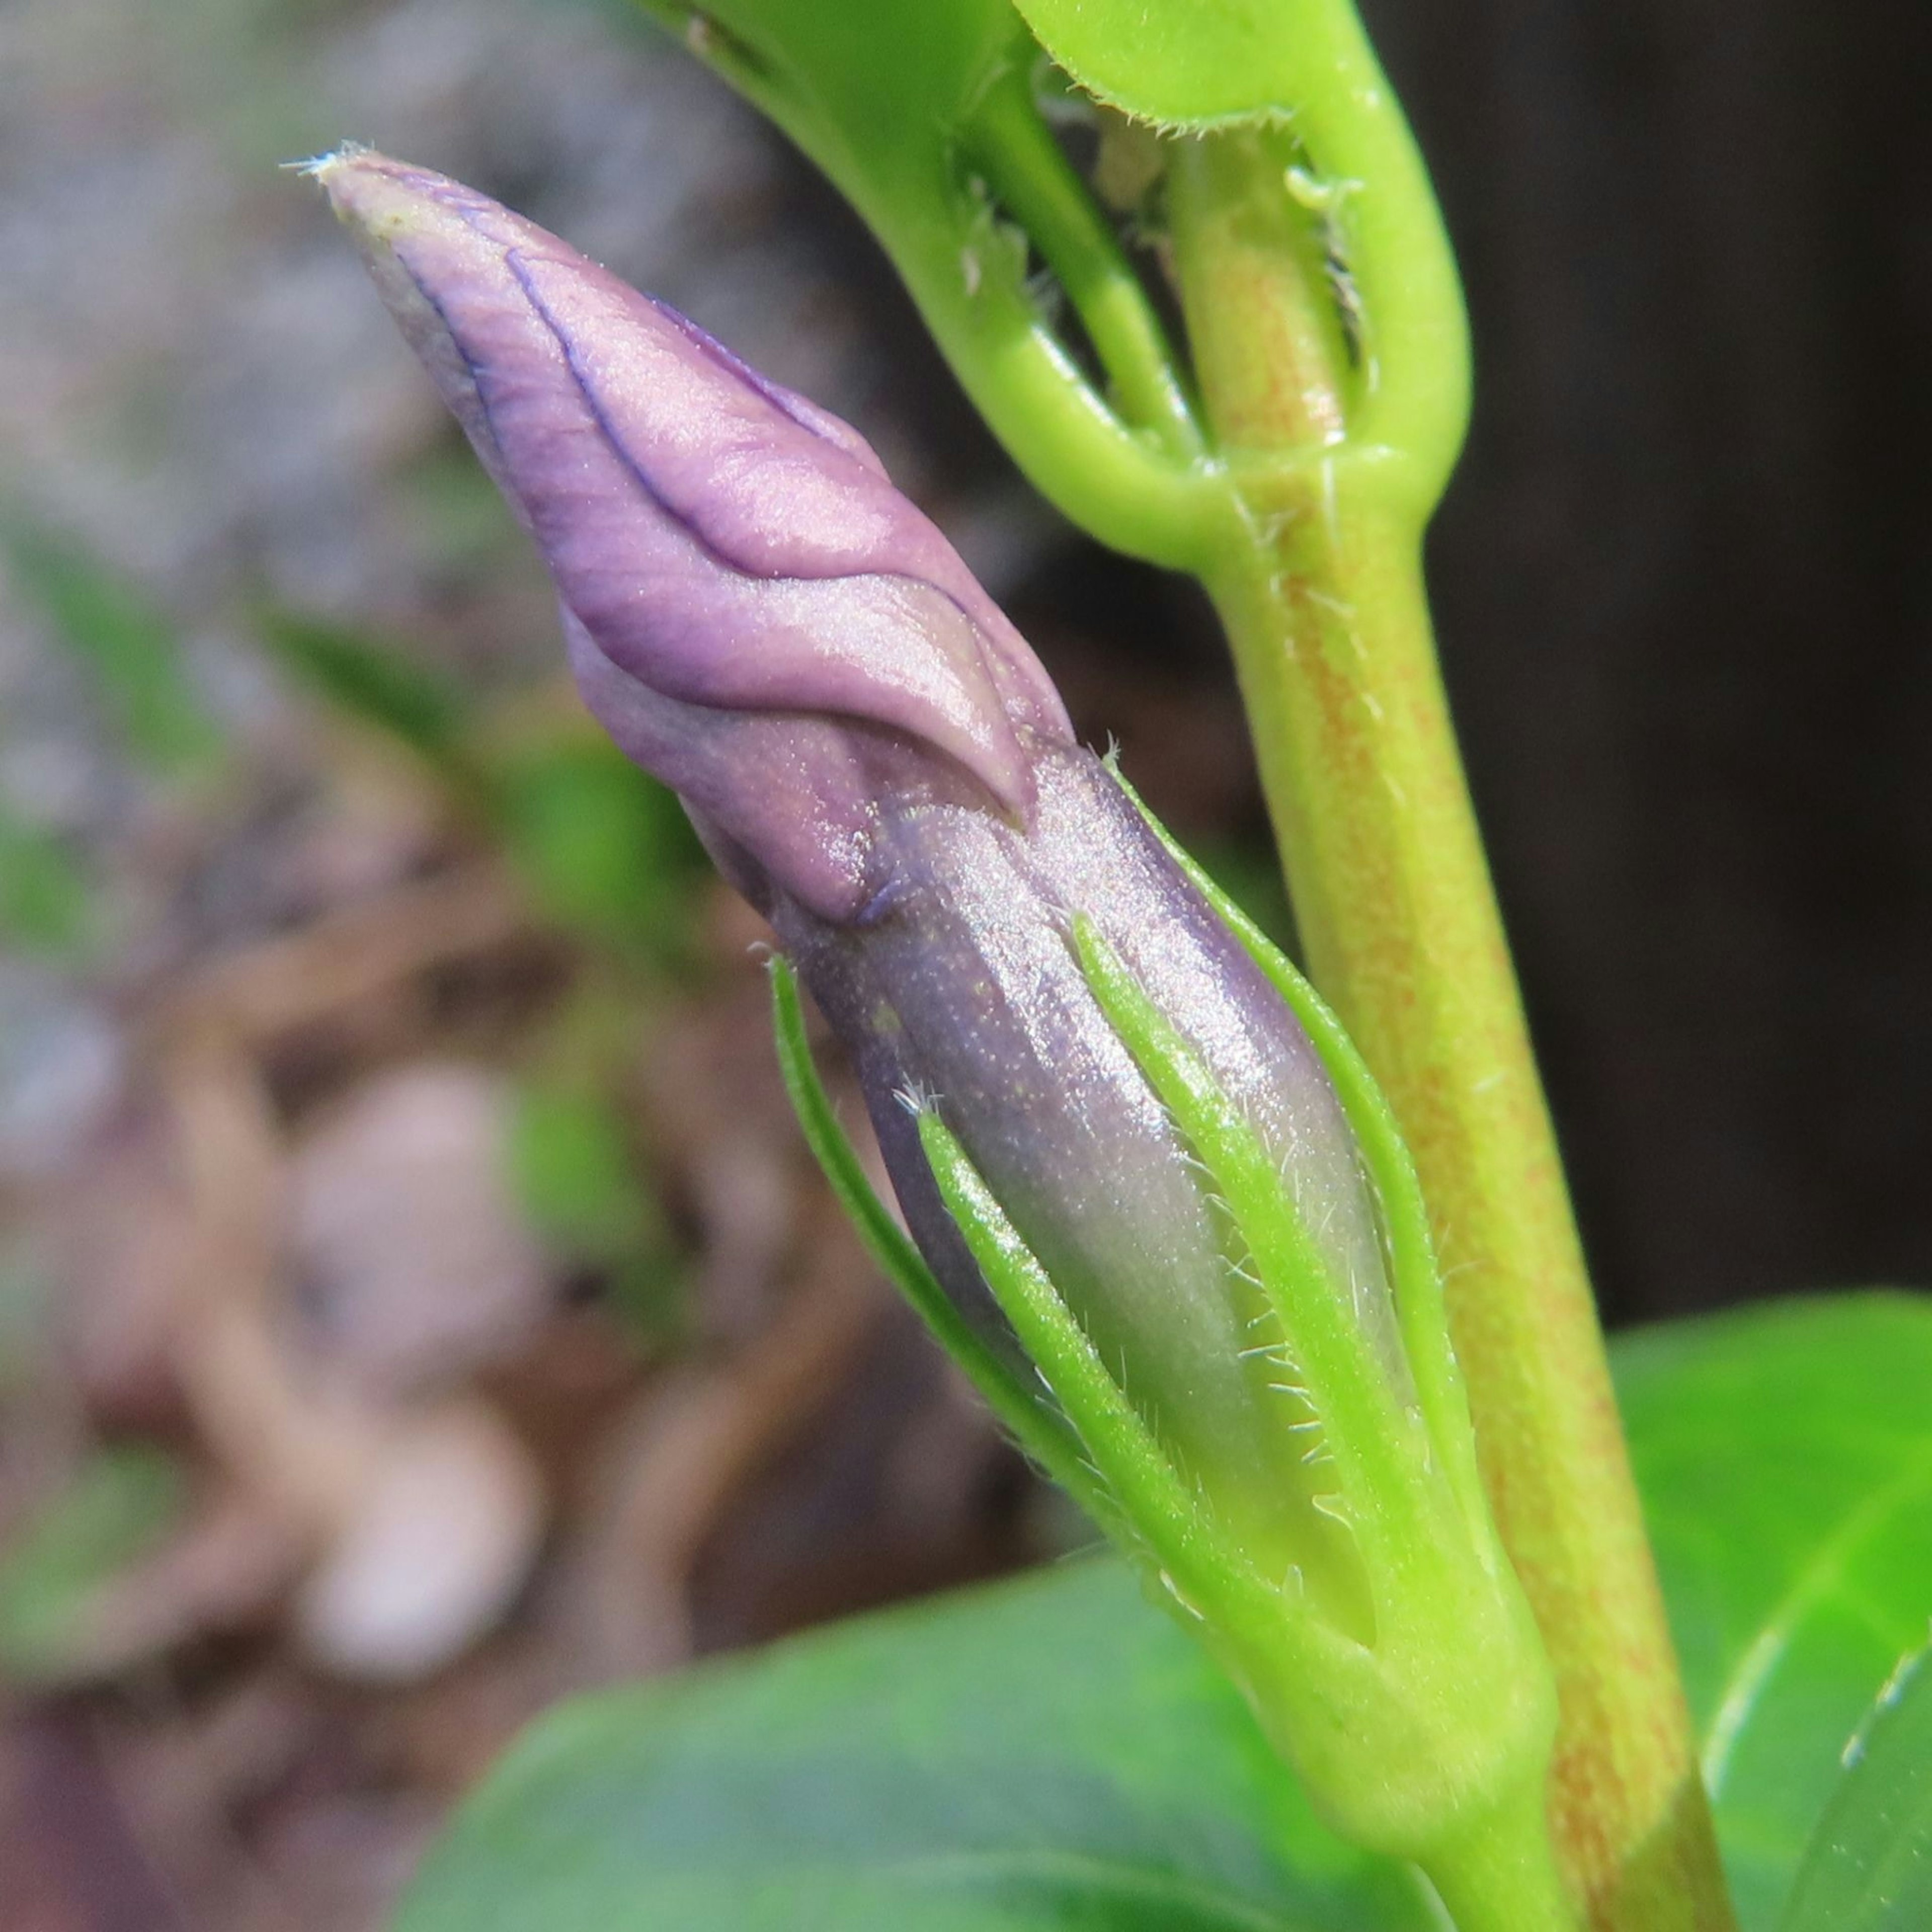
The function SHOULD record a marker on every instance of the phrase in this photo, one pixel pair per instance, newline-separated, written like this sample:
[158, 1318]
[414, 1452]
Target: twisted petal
[727, 554]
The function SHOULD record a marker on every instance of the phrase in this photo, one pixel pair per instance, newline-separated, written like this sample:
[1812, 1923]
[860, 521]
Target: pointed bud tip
[370, 193]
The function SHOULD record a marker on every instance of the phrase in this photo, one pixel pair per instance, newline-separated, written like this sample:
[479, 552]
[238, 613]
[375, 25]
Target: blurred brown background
[414, 1303]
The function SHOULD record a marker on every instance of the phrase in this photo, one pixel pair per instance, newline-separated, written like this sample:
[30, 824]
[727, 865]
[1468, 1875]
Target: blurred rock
[416, 1267]
[440, 1543]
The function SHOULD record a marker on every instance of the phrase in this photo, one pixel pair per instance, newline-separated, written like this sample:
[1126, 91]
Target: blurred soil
[415, 1303]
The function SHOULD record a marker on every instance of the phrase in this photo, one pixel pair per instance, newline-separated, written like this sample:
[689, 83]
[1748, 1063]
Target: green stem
[1102, 472]
[943, 190]
[1035, 185]
[1318, 579]
[1502, 1876]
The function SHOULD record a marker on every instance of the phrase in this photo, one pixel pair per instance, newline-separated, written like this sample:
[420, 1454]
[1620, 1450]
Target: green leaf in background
[1785, 1456]
[376, 681]
[606, 851]
[130, 648]
[1051, 1753]
[451, 512]
[570, 1161]
[1868, 1867]
[576, 1177]
[1054, 1755]
[120, 1504]
[46, 905]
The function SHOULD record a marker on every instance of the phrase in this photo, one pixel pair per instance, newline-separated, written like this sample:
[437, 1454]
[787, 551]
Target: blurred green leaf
[129, 647]
[603, 850]
[1785, 1456]
[1056, 1753]
[606, 851]
[577, 1178]
[46, 904]
[122, 1503]
[1868, 1867]
[1051, 1753]
[570, 1159]
[379, 683]
[456, 516]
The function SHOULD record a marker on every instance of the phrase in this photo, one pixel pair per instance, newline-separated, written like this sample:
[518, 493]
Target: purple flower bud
[1115, 1141]
[879, 761]
[757, 615]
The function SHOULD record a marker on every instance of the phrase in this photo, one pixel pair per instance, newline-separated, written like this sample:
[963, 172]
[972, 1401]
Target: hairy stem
[1335, 452]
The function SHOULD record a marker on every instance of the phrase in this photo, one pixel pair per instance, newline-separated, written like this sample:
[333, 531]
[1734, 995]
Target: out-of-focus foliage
[46, 906]
[576, 1173]
[1868, 1867]
[1057, 1754]
[605, 851]
[379, 680]
[119, 1505]
[1785, 1456]
[1053, 1753]
[129, 647]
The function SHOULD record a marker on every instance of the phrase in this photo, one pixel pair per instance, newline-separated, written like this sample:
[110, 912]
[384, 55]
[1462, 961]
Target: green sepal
[1035, 1421]
[1378, 1453]
[1449, 1681]
[1403, 1215]
[1148, 1506]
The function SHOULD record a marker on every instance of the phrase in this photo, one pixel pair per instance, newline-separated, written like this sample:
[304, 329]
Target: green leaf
[1056, 1753]
[571, 1163]
[122, 1504]
[129, 647]
[1187, 63]
[606, 851]
[377, 682]
[577, 1178]
[46, 904]
[1785, 1456]
[1868, 1867]
[1049, 1753]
